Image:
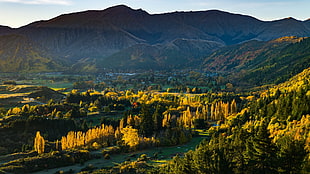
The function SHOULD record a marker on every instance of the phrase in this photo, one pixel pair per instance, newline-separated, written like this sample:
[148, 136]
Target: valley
[128, 124]
[120, 90]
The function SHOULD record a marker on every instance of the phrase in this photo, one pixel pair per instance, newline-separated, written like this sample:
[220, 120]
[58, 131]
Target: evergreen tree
[157, 118]
[261, 152]
[147, 123]
[291, 155]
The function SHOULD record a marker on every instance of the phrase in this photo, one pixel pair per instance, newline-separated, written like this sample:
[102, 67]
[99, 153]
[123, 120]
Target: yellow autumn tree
[103, 135]
[130, 136]
[39, 143]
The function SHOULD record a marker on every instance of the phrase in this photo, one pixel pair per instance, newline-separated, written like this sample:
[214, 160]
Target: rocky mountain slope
[115, 37]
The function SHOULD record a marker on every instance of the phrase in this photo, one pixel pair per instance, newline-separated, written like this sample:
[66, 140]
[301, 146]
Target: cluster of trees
[150, 119]
[255, 132]
[107, 100]
[251, 148]
[270, 135]
[103, 136]
[190, 81]
[51, 110]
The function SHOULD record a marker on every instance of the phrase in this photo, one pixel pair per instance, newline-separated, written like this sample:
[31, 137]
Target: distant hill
[178, 53]
[92, 40]
[5, 30]
[261, 62]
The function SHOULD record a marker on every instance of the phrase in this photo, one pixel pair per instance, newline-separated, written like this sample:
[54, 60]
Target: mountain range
[123, 38]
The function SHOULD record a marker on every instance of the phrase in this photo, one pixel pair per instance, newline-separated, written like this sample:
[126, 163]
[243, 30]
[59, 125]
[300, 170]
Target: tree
[157, 118]
[291, 154]
[261, 152]
[147, 122]
[39, 143]
[130, 136]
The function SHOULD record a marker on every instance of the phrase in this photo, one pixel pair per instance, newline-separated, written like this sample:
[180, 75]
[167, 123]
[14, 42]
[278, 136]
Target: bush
[9, 82]
[143, 157]
[107, 156]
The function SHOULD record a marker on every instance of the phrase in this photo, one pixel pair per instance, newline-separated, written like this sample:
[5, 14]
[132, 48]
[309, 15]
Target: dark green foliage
[147, 122]
[19, 134]
[98, 100]
[291, 104]
[244, 153]
[207, 158]
[261, 152]
[158, 118]
[51, 160]
[291, 155]
[201, 124]
[247, 146]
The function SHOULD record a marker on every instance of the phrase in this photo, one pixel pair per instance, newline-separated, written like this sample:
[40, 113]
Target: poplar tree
[39, 143]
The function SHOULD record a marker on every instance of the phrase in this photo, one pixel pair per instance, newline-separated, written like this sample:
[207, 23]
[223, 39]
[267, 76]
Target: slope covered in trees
[259, 63]
[19, 54]
[270, 135]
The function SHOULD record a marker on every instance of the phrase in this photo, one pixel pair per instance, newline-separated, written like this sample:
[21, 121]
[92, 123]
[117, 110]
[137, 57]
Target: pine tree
[147, 123]
[291, 154]
[157, 117]
[261, 152]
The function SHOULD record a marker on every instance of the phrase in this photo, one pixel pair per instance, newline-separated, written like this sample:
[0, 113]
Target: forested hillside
[270, 135]
[259, 63]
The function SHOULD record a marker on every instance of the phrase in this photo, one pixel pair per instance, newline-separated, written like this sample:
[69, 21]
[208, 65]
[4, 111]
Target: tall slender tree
[39, 143]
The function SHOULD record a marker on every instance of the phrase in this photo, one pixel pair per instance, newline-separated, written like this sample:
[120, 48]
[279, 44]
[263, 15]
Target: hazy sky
[16, 13]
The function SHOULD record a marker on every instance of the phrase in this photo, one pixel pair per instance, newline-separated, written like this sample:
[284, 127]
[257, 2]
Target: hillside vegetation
[263, 131]
[259, 63]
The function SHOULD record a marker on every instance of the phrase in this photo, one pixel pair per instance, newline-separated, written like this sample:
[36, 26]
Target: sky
[17, 13]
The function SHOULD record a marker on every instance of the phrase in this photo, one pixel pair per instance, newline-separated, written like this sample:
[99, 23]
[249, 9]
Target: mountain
[5, 30]
[19, 54]
[114, 38]
[261, 62]
[175, 54]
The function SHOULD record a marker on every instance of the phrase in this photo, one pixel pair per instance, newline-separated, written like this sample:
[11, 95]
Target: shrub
[107, 156]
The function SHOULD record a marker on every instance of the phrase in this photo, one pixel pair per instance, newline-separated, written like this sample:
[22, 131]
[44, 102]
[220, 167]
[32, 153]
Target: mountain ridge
[100, 35]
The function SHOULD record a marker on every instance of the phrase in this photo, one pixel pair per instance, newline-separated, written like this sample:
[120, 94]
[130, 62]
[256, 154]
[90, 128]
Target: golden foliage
[39, 143]
[130, 136]
[102, 135]
[298, 130]
[133, 140]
